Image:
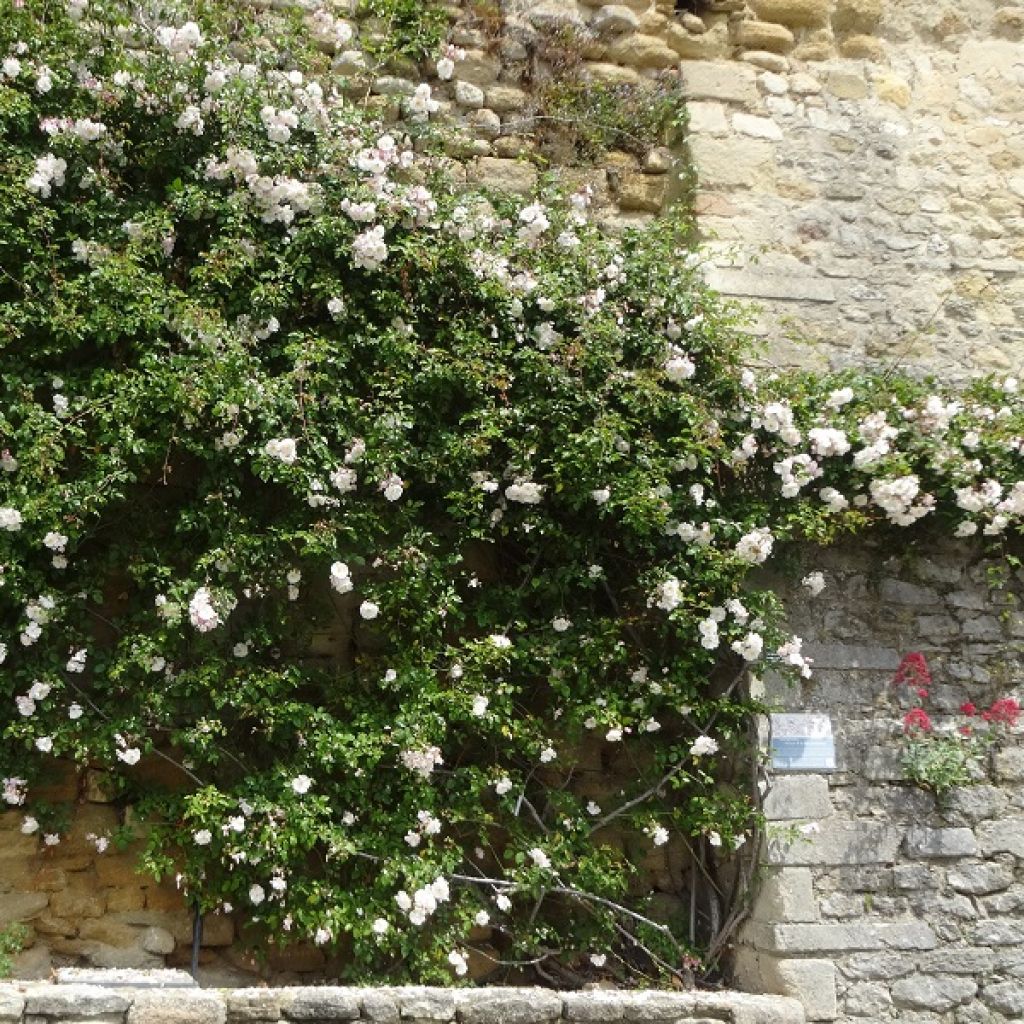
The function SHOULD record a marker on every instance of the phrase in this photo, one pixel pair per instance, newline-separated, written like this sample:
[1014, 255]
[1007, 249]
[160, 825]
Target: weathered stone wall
[871, 167]
[171, 1001]
[869, 153]
[881, 902]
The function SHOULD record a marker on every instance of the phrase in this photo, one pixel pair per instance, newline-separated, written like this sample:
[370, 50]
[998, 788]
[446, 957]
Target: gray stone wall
[881, 902]
[171, 1000]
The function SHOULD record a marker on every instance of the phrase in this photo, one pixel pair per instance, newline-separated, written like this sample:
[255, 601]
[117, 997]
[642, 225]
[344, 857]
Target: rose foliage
[384, 514]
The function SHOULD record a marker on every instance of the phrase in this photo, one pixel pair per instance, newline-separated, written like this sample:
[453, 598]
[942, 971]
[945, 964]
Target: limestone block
[773, 62]
[698, 47]
[1003, 836]
[813, 982]
[652, 22]
[557, 14]
[757, 127]
[892, 89]
[940, 842]
[817, 45]
[795, 13]
[642, 51]
[12, 1003]
[75, 1000]
[847, 656]
[821, 938]
[125, 978]
[505, 98]
[594, 1006]
[642, 192]
[426, 1004]
[21, 906]
[907, 935]
[255, 1004]
[999, 932]
[773, 84]
[508, 1006]
[966, 961]
[1005, 997]
[803, 84]
[729, 83]
[797, 796]
[846, 85]
[873, 966]
[710, 119]
[763, 35]
[479, 68]
[749, 1009]
[469, 95]
[179, 1007]
[933, 992]
[658, 160]
[1009, 21]
[856, 15]
[732, 163]
[786, 894]
[868, 999]
[614, 18]
[1009, 764]
[649, 1007]
[802, 288]
[157, 940]
[863, 48]
[486, 123]
[322, 1004]
[612, 73]
[380, 1006]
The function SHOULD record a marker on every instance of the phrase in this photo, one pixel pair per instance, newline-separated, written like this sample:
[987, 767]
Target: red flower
[917, 719]
[968, 708]
[1005, 711]
[913, 671]
[965, 730]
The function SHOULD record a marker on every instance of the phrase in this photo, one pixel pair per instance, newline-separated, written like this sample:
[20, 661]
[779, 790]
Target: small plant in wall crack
[12, 941]
[942, 758]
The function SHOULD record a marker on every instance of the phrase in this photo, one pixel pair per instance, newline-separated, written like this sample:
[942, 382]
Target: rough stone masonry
[879, 901]
[167, 997]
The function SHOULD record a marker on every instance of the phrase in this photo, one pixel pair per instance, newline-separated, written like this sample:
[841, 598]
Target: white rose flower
[282, 448]
[703, 745]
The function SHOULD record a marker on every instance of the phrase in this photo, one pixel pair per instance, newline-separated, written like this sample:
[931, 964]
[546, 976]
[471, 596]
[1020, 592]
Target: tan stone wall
[862, 179]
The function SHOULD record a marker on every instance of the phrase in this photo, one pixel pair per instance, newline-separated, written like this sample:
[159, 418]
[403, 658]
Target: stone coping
[70, 1001]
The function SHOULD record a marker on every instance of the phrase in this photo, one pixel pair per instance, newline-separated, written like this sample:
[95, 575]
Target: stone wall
[171, 1001]
[864, 180]
[881, 902]
[868, 153]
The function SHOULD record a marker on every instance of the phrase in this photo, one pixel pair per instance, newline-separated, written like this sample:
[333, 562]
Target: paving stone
[508, 1006]
[82, 1000]
[321, 1004]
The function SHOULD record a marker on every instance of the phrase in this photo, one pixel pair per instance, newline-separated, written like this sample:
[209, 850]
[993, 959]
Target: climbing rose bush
[357, 524]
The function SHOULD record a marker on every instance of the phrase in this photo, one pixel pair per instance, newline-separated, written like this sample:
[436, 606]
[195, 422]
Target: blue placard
[802, 743]
[803, 754]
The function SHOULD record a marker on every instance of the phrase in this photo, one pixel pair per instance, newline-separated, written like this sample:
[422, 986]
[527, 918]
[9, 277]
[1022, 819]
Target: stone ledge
[149, 1005]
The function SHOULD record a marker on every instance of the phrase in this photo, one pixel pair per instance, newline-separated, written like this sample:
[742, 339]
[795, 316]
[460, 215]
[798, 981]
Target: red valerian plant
[941, 758]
